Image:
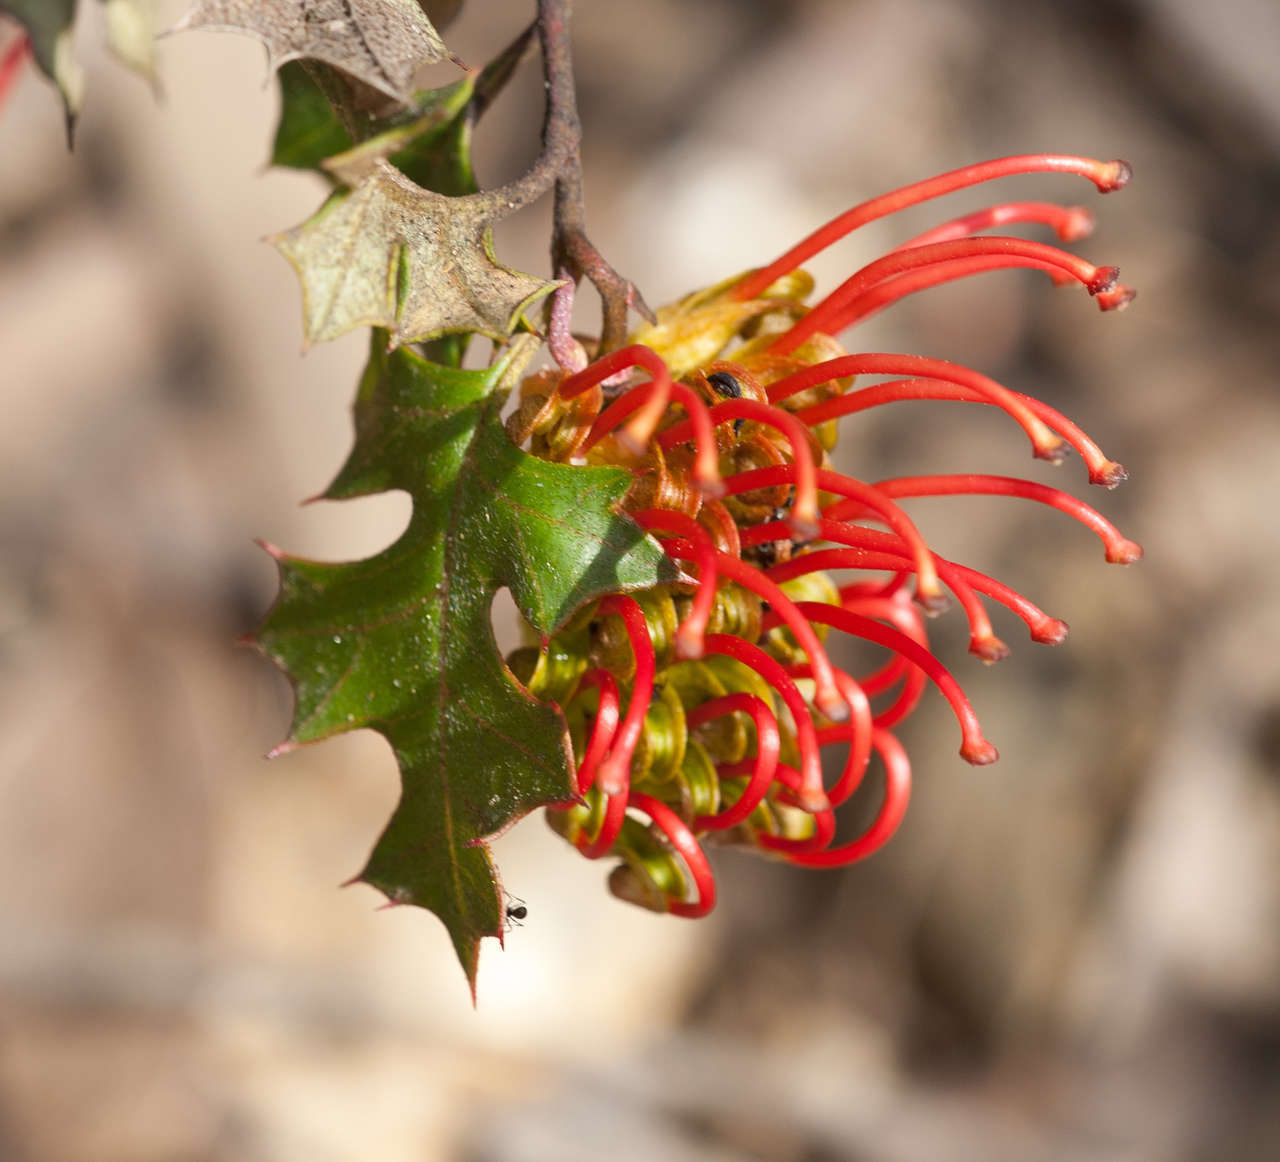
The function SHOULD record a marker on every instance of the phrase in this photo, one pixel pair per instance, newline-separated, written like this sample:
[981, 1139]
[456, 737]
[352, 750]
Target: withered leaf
[391, 254]
[379, 42]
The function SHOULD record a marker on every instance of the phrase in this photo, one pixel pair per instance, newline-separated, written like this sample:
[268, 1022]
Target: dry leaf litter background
[1074, 955]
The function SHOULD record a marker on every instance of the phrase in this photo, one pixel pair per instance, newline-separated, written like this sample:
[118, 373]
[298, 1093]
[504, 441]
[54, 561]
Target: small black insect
[725, 384]
[516, 912]
[722, 383]
[770, 553]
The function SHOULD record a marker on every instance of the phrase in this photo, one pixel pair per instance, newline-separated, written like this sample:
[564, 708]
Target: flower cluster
[700, 710]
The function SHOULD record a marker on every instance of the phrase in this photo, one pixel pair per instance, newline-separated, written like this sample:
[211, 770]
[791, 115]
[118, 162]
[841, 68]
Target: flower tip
[989, 648]
[611, 778]
[979, 752]
[1076, 223]
[1124, 553]
[932, 600]
[1104, 280]
[1050, 447]
[832, 704]
[1115, 175]
[1116, 299]
[1109, 474]
[690, 644]
[813, 800]
[804, 523]
[710, 484]
[1050, 631]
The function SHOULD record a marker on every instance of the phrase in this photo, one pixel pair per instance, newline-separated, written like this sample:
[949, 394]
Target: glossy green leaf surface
[402, 642]
[308, 130]
[49, 24]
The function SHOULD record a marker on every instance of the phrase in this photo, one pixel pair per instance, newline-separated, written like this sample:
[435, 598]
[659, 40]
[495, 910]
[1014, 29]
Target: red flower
[705, 707]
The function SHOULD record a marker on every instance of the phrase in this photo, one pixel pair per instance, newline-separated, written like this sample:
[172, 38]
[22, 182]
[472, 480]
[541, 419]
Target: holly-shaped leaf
[390, 254]
[402, 642]
[379, 42]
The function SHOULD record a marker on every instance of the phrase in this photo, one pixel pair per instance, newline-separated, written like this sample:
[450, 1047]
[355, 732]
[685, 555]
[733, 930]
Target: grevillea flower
[704, 710]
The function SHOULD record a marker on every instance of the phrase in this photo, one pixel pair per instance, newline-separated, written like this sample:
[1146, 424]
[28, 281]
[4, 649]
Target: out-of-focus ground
[1073, 955]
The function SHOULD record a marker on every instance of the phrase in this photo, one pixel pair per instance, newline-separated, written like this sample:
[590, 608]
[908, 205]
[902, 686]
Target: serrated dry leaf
[441, 12]
[379, 42]
[391, 254]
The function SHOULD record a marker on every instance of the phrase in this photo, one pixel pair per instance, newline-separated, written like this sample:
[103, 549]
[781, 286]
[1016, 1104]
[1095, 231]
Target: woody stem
[560, 165]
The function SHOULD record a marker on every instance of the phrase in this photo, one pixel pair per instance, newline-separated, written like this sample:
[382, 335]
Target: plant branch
[560, 165]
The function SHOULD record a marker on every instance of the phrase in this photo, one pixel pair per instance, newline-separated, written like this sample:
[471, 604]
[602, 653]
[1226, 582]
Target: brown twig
[560, 165]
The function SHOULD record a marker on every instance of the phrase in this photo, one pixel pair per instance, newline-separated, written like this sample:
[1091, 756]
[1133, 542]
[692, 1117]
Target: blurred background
[1072, 955]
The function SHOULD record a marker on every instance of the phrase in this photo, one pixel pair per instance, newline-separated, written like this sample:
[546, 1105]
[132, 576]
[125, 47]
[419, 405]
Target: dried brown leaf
[379, 42]
[391, 254]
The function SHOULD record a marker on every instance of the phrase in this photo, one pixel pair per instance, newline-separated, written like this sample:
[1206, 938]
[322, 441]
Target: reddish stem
[804, 515]
[913, 679]
[615, 815]
[974, 748]
[689, 850]
[857, 732]
[891, 290]
[1046, 630]
[982, 639]
[897, 794]
[828, 315]
[11, 64]
[692, 631]
[1070, 223]
[813, 797]
[1119, 550]
[603, 728]
[1106, 175]
[905, 618]
[1045, 443]
[824, 821]
[1101, 470]
[928, 586]
[651, 401]
[761, 767]
[615, 772]
[827, 697]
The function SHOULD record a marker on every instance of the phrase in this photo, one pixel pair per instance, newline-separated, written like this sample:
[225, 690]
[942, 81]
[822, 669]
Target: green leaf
[409, 142]
[391, 254]
[402, 642]
[48, 23]
[309, 130]
[430, 145]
